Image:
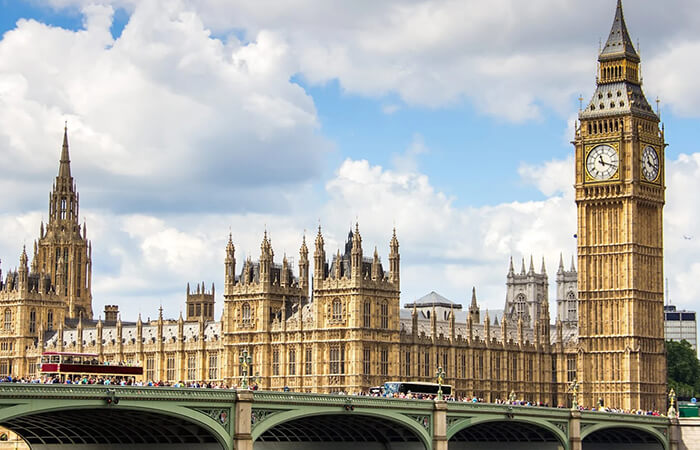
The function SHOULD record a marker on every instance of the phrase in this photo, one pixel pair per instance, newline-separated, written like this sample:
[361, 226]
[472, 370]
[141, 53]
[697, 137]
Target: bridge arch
[45, 423]
[623, 436]
[315, 423]
[498, 429]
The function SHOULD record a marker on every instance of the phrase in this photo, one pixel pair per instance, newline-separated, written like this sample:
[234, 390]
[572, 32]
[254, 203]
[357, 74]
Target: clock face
[650, 163]
[602, 162]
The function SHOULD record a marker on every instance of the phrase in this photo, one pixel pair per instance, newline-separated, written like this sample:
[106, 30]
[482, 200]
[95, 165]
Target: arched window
[367, 314]
[520, 305]
[32, 321]
[245, 312]
[292, 362]
[49, 320]
[337, 309]
[571, 306]
[8, 320]
[384, 314]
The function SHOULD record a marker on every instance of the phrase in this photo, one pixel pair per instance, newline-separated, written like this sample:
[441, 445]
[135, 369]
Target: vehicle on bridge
[402, 387]
[64, 365]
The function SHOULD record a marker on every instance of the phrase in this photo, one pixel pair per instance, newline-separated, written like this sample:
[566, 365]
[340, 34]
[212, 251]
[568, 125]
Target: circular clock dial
[650, 163]
[602, 162]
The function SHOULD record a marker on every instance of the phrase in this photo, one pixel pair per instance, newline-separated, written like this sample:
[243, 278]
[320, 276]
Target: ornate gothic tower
[63, 252]
[525, 293]
[567, 287]
[620, 198]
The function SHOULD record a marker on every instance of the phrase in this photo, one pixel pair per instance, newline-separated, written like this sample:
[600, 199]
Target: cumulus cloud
[164, 114]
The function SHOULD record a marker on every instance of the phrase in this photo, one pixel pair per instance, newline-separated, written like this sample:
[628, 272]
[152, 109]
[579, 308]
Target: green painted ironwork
[213, 410]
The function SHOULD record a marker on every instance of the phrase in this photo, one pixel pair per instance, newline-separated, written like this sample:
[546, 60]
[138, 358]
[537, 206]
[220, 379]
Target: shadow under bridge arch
[511, 434]
[342, 431]
[623, 437]
[111, 428]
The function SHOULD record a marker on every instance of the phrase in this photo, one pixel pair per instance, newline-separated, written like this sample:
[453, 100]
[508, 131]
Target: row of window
[206, 309]
[477, 362]
[190, 368]
[7, 322]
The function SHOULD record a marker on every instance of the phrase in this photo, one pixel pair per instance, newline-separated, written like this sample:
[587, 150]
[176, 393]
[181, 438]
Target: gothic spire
[543, 270]
[561, 264]
[619, 43]
[64, 167]
[573, 264]
[511, 271]
[532, 266]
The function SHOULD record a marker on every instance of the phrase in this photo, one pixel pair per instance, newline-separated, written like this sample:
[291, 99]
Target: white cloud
[511, 59]
[158, 110]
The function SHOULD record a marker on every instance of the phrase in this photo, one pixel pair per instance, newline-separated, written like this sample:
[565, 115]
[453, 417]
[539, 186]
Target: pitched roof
[619, 42]
[433, 299]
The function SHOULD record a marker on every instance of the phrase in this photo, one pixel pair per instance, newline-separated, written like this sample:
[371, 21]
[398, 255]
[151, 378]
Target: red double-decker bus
[70, 365]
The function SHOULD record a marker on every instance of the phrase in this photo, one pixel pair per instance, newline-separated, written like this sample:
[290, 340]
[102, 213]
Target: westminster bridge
[101, 417]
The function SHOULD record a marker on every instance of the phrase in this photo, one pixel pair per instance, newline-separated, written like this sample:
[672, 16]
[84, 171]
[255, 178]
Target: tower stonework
[620, 197]
[64, 251]
[567, 288]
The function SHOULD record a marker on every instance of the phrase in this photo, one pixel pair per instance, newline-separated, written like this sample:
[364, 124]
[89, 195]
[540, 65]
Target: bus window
[55, 359]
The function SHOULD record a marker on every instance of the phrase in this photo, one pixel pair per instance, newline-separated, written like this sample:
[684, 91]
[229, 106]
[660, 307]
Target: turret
[35, 260]
[474, 307]
[511, 271]
[521, 335]
[487, 328]
[60, 277]
[394, 260]
[375, 265]
[560, 270]
[319, 257]
[338, 265]
[23, 271]
[414, 320]
[229, 263]
[266, 258]
[284, 276]
[356, 253]
[304, 266]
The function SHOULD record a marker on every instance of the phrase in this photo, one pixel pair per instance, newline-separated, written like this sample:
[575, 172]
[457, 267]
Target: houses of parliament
[336, 323]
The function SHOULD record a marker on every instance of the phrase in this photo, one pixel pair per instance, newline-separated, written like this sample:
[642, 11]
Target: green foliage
[683, 369]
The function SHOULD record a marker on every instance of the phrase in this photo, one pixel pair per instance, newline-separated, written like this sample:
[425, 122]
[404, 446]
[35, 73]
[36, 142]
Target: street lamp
[672, 413]
[573, 388]
[440, 375]
[245, 360]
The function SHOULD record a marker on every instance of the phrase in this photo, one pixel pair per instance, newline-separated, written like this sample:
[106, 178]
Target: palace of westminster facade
[339, 326]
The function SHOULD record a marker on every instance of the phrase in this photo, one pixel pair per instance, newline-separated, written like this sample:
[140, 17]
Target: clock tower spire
[620, 199]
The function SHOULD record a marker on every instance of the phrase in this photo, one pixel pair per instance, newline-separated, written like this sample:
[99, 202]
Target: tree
[683, 368]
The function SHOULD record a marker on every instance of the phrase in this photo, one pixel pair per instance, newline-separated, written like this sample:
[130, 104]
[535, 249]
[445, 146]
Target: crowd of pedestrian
[130, 381]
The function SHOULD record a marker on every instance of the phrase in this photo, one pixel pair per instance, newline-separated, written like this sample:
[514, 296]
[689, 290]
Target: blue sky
[188, 118]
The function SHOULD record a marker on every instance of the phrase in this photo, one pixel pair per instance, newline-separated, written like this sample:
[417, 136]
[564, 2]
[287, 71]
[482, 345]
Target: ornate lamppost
[672, 414]
[245, 360]
[440, 375]
[573, 388]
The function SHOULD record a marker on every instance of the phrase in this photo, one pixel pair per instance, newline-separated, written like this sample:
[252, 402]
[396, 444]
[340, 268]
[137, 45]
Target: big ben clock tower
[620, 199]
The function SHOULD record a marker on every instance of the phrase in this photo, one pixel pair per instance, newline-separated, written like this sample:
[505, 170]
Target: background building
[680, 325]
